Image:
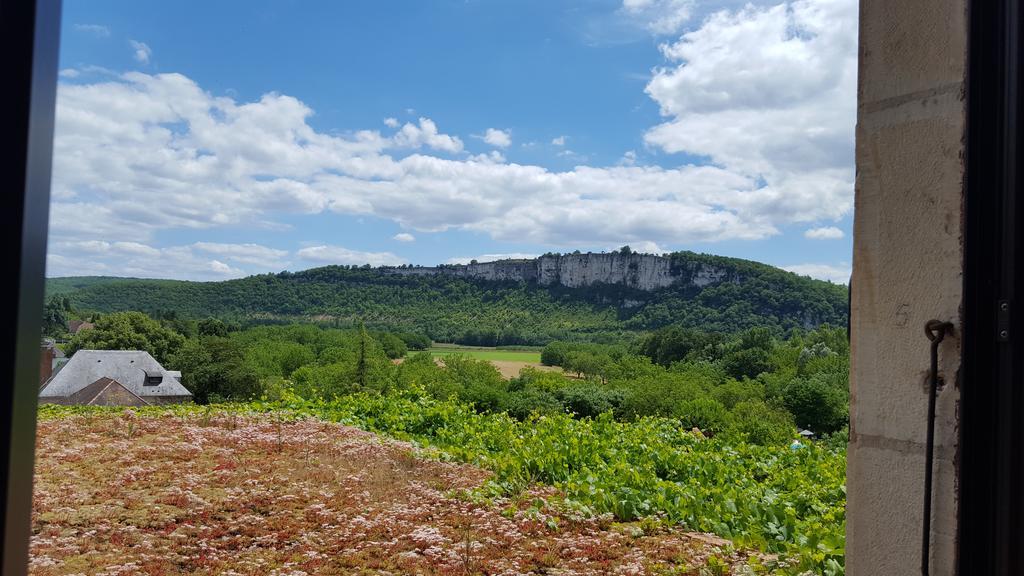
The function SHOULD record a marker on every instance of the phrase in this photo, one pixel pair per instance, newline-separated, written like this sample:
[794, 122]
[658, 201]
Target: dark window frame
[991, 458]
[992, 438]
[29, 41]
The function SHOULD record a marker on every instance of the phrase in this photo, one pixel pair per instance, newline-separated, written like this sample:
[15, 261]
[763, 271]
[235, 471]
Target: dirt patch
[509, 368]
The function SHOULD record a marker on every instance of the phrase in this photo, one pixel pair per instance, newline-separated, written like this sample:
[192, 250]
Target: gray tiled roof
[129, 367]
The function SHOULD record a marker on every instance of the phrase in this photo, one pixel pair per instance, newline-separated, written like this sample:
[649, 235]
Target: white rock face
[641, 271]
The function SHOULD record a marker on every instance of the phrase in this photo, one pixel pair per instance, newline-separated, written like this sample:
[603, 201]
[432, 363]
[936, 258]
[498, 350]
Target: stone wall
[907, 270]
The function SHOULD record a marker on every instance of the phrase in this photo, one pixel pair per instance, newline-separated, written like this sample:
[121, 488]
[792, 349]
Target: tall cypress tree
[362, 366]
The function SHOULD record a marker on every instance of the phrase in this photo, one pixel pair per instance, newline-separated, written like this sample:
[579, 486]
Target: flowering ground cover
[216, 492]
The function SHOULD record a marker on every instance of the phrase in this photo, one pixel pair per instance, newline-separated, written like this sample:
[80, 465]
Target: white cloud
[491, 258]
[560, 141]
[660, 16]
[416, 136]
[839, 274]
[769, 94]
[628, 158]
[142, 51]
[326, 254]
[391, 122]
[69, 73]
[404, 237]
[824, 233]
[265, 258]
[643, 247]
[97, 30]
[135, 259]
[140, 153]
[497, 138]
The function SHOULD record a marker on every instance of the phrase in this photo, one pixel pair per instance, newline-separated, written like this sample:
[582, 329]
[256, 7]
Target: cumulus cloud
[426, 134]
[497, 138]
[644, 247]
[263, 257]
[327, 254]
[559, 141]
[824, 233]
[137, 153]
[491, 258]
[404, 237]
[660, 16]
[135, 259]
[839, 274]
[97, 30]
[391, 122]
[768, 93]
[142, 51]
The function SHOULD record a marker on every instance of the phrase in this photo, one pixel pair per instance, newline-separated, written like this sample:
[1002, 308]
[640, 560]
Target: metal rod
[936, 331]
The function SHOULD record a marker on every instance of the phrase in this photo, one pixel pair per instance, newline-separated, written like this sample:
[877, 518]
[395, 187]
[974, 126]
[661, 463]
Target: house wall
[907, 270]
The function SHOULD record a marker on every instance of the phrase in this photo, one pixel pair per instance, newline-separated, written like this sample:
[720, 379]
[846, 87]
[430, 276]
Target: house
[50, 359]
[113, 378]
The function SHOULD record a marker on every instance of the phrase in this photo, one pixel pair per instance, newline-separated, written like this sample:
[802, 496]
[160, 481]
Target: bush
[817, 404]
[532, 401]
[733, 392]
[589, 399]
[660, 396]
[759, 423]
[706, 414]
[747, 363]
[214, 368]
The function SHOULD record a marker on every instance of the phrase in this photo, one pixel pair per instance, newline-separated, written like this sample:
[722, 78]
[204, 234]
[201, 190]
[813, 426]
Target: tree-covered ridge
[453, 309]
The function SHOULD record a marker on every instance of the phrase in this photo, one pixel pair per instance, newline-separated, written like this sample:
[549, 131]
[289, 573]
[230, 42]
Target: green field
[490, 354]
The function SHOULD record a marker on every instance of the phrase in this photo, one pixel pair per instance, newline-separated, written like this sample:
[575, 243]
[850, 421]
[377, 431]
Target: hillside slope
[588, 296]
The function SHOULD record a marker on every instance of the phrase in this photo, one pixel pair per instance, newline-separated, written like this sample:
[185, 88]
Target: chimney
[45, 364]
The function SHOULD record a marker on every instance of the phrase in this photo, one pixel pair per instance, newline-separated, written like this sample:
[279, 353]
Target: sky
[214, 140]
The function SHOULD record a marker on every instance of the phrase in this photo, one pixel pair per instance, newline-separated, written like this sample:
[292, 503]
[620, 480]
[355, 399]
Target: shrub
[817, 403]
[759, 423]
[532, 401]
[589, 399]
[706, 414]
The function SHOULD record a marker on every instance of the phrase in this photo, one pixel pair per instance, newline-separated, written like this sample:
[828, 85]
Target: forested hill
[464, 304]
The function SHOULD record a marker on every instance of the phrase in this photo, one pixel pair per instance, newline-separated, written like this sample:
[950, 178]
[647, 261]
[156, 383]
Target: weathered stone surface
[641, 271]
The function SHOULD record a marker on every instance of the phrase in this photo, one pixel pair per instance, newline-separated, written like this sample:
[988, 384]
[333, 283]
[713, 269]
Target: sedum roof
[127, 367]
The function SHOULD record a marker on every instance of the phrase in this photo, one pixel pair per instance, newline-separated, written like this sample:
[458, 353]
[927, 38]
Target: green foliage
[214, 369]
[705, 414]
[446, 308]
[212, 327]
[589, 399]
[747, 363]
[129, 331]
[55, 316]
[790, 502]
[675, 343]
[755, 422]
[818, 403]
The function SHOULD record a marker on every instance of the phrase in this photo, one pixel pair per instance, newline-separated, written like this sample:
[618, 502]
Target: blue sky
[209, 140]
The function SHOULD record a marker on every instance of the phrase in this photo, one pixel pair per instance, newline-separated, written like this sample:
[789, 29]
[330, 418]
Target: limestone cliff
[640, 271]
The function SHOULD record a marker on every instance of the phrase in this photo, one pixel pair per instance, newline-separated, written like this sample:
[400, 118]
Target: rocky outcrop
[640, 271]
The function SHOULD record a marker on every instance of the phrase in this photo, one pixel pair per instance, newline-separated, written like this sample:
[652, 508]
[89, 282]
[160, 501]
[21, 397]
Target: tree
[214, 369]
[747, 363]
[212, 327]
[129, 331]
[817, 404]
[55, 316]
[759, 423]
